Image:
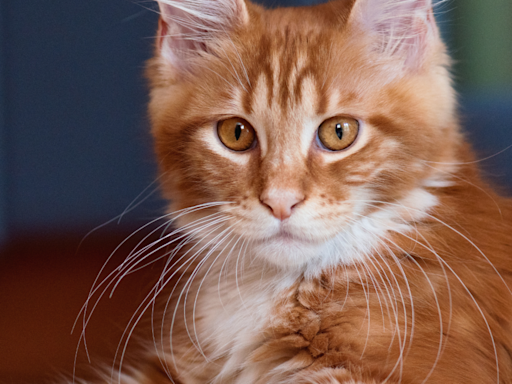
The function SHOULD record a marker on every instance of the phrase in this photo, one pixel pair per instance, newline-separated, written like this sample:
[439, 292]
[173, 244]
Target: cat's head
[301, 135]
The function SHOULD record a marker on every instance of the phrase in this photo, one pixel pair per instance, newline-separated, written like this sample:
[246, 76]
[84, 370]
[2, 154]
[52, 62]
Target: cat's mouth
[288, 249]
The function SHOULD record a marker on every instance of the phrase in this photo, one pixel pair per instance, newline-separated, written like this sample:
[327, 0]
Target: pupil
[238, 131]
[339, 131]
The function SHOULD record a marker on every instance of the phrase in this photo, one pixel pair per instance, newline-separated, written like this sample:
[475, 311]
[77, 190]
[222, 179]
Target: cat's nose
[281, 202]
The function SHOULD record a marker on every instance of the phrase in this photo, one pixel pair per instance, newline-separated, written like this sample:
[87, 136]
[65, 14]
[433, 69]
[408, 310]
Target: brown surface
[43, 284]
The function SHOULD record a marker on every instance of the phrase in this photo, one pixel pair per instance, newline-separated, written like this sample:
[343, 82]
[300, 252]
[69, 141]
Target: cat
[330, 221]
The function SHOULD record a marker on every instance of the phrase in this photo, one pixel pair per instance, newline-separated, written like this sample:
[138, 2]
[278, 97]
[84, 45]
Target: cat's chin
[287, 251]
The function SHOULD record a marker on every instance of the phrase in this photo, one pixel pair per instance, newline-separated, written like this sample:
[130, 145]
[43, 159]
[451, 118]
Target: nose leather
[281, 202]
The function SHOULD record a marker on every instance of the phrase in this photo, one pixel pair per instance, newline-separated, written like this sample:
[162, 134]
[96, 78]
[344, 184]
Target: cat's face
[300, 129]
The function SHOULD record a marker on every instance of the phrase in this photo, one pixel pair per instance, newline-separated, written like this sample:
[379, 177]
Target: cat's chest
[234, 319]
[254, 329]
[244, 325]
[233, 316]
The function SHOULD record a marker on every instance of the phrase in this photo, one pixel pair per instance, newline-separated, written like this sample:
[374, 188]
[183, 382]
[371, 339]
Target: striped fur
[394, 263]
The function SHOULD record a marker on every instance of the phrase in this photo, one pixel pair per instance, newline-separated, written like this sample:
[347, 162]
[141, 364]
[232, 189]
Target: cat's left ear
[400, 27]
[188, 27]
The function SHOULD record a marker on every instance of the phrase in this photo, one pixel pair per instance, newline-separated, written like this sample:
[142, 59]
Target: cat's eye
[338, 133]
[236, 134]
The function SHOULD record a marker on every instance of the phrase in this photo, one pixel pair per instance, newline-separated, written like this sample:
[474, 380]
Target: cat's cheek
[338, 173]
[218, 173]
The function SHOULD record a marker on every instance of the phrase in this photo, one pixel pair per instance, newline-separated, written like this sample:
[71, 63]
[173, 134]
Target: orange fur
[395, 265]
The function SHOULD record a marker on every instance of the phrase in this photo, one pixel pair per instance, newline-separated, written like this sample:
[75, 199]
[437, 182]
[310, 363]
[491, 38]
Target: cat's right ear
[188, 28]
[402, 28]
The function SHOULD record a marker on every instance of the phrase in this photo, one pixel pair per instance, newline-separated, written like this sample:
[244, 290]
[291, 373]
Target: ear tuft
[188, 27]
[402, 27]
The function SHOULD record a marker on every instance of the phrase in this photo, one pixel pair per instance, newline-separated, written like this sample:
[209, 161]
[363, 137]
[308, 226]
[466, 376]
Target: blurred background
[75, 153]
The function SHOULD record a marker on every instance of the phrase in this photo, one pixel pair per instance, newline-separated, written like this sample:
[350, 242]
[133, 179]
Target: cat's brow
[287, 63]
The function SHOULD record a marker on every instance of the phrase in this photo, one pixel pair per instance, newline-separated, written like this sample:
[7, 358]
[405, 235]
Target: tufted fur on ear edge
[405, 28]
[187, 27]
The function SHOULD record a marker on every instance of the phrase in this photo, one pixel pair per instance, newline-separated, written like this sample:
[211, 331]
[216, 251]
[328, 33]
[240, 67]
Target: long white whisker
[224, 265]
[95, 286]
[217, 243]
[458, 233]
[196, 254]
[136, 319]
[455, 274]
[119, 275]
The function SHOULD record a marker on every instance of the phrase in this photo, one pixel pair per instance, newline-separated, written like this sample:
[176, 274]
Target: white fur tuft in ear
[189, 26]
[402, 27]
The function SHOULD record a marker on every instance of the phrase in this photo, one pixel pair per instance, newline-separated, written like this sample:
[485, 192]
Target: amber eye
[236, 134]
[338, 133]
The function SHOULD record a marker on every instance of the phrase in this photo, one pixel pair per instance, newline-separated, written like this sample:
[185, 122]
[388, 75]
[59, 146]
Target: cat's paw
[290, 336]
[290, 317]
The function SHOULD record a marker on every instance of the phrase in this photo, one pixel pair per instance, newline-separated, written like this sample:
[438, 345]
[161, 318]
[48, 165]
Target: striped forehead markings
[285, 65]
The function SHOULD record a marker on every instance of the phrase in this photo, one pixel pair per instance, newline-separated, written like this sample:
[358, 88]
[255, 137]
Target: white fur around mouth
[286, 237]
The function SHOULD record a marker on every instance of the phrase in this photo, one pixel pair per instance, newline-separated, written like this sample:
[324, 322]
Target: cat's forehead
[291, 81]
[284, 94]
[285, 63]
[282, 79]
[292, 69]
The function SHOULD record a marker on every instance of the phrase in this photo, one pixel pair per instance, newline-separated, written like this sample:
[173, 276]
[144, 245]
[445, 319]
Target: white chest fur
[236, 299]
[234, 313]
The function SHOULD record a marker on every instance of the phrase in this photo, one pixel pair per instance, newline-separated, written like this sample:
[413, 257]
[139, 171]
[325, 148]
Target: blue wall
[3, 168]
[487, 118]
[74, 144]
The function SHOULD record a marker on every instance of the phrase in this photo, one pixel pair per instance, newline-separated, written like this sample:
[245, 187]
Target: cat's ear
[400, 27]
[190, 27]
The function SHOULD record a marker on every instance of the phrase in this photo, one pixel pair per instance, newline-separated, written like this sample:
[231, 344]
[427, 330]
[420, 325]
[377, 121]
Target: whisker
[118, 274]
[458, 233]
[224, 265]
[441, 260]
[217, 243]
[136, 319]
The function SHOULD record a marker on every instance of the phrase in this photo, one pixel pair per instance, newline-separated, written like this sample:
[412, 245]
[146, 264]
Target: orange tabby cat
[332, 226]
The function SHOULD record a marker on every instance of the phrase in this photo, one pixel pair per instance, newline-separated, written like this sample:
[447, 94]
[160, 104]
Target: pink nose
[281, 201]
